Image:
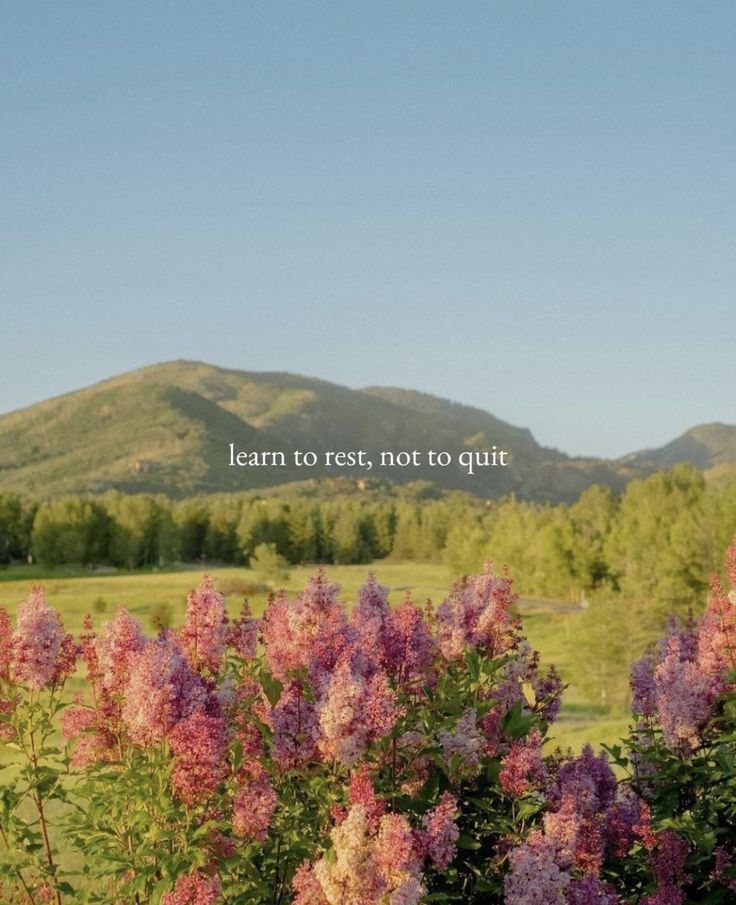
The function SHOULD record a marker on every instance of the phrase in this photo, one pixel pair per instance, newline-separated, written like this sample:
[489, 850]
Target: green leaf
[467, 842]
[271, 686]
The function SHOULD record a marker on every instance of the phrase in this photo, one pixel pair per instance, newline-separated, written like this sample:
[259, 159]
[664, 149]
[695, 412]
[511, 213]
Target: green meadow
[552, 628]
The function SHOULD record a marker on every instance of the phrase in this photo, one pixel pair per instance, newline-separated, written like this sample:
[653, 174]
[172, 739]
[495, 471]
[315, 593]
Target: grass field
[550, 629]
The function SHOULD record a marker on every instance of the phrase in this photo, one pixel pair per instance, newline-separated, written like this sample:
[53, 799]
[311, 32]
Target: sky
[529, 207]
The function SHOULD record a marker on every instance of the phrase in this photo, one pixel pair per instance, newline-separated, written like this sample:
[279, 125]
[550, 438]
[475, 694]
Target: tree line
[659, 539]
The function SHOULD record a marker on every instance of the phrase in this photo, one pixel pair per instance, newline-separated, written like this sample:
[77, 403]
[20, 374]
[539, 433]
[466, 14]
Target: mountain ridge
[167, 428]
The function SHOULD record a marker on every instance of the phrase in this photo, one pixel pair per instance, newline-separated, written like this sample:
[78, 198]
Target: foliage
[682, 757]
[71, 529]
[654, 546]
[267, 562]
[667, 836]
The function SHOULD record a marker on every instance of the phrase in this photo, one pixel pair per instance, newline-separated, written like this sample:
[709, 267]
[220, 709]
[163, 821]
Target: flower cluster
[522, 768]
[676, 685]
[147, 690]
[39, 653]
[668, 857]
[478, 614]
[202, 637]
[254, 803]
[589, 822]
[363, 867]
[670, 687]
[194, 889]
[684, 697]
[440, 832]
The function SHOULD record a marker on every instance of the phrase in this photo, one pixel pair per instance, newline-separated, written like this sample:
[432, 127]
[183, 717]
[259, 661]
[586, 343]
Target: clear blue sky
[529, 207]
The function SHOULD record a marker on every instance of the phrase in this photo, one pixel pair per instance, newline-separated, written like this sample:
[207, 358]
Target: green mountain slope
[168, 428]
[710, 447]
[136, 437]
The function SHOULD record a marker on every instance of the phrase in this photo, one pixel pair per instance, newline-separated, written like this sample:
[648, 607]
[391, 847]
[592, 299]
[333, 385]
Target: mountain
[167, 428]
[710, 447]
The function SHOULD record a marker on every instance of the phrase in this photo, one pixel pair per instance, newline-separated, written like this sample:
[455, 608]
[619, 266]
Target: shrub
[326, 755]
[381, 749]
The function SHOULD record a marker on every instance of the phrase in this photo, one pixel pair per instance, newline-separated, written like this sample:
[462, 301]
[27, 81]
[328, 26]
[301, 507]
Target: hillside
[710, 447]
[167, 428]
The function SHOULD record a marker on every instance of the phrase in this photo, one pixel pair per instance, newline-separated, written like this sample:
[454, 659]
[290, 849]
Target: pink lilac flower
[380, 708]
[6, 644]
[491, 727]
[684, 695]
[395, 853]
[91, 743]
[677, 685]
[397, 640]
[410, 648]
[723, 863]
[369, 621]
[352, 875]
[42, 654]
[253, 804]
[682, 635]
[307, 887]
[312, 633]
[643, 828]
[668, 859]
[344, 731]
[535, 877]
[242, 633]
[621, 818]
[66, 661]
[523, 769]
[220, 846]
[361, 791]
[644, 696]
[202, 636]
[564, 828]
[366, 866]
[477, 613]
[441, 832]
[295, 726]
[590, 850]
[410, 892]
[588, 780]
[466, 743]
[161, 691]
[87, 640]
[277, 635]
[581, 801]
[198, 745]
[354, 712]
[717, 636]
[591, 890]
[115, 649]
[194, 889]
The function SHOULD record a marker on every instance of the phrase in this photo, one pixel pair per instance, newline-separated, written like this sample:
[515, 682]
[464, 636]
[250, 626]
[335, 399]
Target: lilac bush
[321, 754]
[365, 755]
